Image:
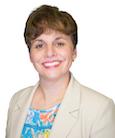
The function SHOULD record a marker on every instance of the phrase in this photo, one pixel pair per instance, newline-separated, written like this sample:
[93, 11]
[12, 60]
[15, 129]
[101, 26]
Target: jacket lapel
[67, 115]
[20, 111]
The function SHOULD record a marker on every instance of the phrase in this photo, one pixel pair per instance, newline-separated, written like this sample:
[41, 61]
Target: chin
[53, 75]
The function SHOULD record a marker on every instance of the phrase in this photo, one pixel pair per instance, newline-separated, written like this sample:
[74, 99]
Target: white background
[94, 66]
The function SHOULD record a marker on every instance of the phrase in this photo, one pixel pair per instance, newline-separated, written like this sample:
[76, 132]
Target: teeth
[50, 64]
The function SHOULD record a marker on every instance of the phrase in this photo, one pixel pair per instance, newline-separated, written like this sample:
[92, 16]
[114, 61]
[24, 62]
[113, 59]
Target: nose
[50, 52]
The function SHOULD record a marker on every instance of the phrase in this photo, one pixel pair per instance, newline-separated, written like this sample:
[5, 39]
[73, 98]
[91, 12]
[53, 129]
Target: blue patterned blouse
[38, 123]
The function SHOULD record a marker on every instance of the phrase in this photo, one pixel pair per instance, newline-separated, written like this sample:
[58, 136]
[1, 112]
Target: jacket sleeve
[7, 124]
[104, 125]
[9, 115]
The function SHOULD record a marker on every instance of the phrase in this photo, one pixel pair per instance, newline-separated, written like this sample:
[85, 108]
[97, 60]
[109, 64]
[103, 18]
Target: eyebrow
[39, 40]
[59, 38]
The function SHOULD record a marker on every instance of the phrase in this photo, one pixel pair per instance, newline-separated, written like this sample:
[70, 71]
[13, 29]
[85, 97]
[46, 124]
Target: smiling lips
[51, 64]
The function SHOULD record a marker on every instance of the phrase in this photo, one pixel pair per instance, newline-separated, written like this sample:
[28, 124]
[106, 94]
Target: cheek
[68, 54]
[34, 57]
[31, 57]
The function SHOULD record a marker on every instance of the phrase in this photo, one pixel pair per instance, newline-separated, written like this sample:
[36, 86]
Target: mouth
[52, 64]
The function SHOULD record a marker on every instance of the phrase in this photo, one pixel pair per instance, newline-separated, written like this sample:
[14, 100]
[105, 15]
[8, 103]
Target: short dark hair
[49, 17]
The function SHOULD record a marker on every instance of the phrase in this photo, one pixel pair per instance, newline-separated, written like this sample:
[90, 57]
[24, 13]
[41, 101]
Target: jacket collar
[71, 98]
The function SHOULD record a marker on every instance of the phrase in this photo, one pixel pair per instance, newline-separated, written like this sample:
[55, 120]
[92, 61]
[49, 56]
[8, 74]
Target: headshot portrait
[58, 105]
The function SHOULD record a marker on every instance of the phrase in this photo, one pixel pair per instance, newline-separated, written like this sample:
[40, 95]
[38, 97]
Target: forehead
[52, 35]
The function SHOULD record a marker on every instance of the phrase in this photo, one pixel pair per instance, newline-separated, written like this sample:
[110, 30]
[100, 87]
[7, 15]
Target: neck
[54, 90]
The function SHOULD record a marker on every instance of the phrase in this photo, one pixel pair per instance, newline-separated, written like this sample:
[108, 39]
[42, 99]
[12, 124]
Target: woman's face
[52, 54]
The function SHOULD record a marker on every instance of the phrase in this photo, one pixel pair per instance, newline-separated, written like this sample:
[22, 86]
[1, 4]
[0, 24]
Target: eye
[60, 44]
[39, 46]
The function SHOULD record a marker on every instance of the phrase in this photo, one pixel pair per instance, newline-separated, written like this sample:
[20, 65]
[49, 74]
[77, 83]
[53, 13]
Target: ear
[74, 54]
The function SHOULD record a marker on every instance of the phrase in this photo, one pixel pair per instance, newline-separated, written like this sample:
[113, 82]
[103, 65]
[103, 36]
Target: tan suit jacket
[83, 113]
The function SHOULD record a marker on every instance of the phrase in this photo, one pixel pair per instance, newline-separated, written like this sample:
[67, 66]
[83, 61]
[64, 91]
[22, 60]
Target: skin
[52, 54]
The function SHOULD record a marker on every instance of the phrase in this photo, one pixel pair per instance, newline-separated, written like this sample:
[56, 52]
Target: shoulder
[87, 94]
[90, 99]
[21, 94]
[95, 104]
[93, 99]
[93, 95]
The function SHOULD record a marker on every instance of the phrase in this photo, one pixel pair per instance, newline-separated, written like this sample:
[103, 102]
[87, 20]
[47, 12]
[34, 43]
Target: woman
[58, 106]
